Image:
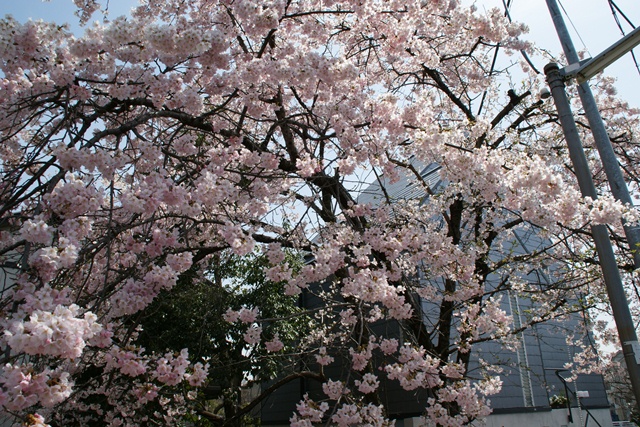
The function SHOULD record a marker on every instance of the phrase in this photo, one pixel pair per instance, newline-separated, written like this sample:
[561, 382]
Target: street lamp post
[613, 282]
[583, 71]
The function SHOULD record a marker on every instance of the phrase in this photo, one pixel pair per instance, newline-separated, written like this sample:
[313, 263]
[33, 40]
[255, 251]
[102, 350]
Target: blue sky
[594, 25]
[56, 10]
[592, 28]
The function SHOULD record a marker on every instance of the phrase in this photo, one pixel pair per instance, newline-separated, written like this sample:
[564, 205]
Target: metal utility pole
[611, 274]
[609, 161]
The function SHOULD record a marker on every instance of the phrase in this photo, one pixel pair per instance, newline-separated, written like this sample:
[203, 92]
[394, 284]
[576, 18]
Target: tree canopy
[138, 157]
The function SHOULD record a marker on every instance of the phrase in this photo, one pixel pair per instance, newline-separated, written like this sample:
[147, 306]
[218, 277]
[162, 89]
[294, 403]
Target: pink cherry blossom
[274, 345]
[252, 334]
[59, 333]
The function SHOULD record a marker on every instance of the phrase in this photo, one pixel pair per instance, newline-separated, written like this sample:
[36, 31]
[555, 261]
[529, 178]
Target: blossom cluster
[23, 387]
[60, 333]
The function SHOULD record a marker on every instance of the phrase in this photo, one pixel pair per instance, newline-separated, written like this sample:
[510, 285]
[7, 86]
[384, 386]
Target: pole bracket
[572, 71]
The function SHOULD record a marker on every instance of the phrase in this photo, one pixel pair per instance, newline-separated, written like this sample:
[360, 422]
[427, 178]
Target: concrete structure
[553, 418]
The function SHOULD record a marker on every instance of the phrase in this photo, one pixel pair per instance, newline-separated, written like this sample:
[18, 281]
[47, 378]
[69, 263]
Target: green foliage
[191, 316]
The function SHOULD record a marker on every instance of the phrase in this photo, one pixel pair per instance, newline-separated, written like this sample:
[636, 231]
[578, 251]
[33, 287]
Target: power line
[573, 26]
[614, 7]
[614, 11]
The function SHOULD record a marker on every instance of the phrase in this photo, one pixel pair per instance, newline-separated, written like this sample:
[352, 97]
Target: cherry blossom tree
[136, 155]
